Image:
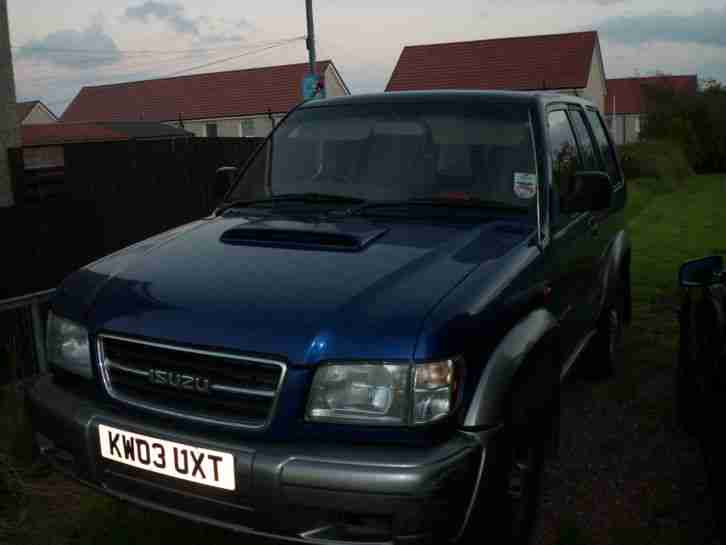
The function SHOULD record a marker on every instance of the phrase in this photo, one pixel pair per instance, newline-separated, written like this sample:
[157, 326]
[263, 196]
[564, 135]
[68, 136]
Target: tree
[695, 121]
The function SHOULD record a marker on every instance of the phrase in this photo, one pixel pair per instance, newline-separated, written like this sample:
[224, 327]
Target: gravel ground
[625, 473]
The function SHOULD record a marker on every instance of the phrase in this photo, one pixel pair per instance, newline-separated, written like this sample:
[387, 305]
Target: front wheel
[606, 347]
[507, 504]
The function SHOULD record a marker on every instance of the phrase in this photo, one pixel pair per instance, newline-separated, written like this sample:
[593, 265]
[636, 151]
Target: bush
[655, 159]
[695, 121]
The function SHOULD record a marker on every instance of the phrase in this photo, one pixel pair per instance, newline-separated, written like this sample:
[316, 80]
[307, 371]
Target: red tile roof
[556, 61]
[199, 96]
[67, 133]
[625, 96]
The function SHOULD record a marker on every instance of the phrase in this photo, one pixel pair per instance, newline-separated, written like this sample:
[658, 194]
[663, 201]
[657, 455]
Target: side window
[588, 155]
[563, 153]
[606, 150]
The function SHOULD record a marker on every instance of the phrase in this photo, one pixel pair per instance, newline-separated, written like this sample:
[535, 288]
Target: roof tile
[556, 61]
[625, 96]
[198, 96]
[50, 134]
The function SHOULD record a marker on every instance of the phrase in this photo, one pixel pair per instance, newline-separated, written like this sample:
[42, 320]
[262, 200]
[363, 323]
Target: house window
[637, 125]
[211, 130]
[610, 120]
[247, 127]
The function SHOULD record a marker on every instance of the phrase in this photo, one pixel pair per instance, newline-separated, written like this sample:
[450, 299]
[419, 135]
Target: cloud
[173, 14]
[705, 28]
[206, 29]
[88, 48]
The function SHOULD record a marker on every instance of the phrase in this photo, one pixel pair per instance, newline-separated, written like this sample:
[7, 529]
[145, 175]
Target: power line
[291, 40]
[87, 57]
[247, 45]
[38, 77]
[191, 68]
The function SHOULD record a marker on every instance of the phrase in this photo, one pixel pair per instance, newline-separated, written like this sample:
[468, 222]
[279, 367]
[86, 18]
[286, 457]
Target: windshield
[392, 152]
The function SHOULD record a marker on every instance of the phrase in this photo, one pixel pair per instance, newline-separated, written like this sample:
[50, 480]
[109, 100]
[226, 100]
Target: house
[9, 137]
[625, 105]
[566, 63]
[43, 143]
[34, 112]
[233, 103]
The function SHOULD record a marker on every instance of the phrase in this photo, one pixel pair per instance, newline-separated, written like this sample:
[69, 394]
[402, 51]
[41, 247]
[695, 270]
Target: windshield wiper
[448, 202]
[305, 198]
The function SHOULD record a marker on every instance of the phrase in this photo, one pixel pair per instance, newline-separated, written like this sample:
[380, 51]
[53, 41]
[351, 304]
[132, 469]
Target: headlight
[383, 393]
[67, 346]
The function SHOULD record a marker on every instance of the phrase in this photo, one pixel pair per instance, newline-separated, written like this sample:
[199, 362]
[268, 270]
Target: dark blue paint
[305, 306]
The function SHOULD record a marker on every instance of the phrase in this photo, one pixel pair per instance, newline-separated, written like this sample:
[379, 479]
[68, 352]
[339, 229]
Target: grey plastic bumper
[328, 493]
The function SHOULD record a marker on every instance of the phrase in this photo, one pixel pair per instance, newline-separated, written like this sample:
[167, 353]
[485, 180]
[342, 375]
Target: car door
[570, 248]
[611, 220]
[599, 229]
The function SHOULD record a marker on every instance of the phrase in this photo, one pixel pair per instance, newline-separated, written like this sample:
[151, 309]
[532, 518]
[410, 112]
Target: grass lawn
[627, 474]
[625, 466]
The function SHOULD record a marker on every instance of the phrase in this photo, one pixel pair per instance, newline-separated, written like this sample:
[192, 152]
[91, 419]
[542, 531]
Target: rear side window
[606, 150]
[563, 148]
[588, 155]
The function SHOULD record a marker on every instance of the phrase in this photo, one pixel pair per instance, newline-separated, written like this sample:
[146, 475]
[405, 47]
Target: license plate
[198, 465]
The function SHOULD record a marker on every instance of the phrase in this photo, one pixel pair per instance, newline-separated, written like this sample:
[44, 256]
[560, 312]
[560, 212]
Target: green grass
[669, 222]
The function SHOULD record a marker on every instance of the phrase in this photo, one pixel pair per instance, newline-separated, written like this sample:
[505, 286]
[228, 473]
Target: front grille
[211, 387]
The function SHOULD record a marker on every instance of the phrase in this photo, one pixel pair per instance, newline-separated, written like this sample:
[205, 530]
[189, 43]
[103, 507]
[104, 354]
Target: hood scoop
[348, 236]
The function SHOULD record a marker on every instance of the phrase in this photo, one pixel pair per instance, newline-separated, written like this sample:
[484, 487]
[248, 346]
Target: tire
[606, 348]
[508, 501]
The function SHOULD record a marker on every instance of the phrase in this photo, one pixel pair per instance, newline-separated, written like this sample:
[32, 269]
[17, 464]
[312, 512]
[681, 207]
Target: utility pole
[9, 131]
[311, 35]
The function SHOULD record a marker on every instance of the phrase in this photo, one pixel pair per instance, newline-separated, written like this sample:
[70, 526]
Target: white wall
[333, 86]
[9, 134]
[596, 86]
[231, 127]
[625, 128]
[38, 115]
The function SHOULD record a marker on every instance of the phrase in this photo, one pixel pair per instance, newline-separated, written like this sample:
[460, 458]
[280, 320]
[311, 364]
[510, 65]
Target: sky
[61, 46]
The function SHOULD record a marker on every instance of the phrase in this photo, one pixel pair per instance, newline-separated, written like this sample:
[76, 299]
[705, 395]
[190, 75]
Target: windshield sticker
[525, 185]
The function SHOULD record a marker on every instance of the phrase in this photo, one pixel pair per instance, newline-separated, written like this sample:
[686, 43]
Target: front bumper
[300, 492]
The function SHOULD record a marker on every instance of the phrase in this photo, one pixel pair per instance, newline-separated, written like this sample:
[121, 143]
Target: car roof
[524, 97]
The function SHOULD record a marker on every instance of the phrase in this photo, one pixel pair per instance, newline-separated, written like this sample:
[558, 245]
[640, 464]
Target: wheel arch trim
[485, 408]
[617, 257]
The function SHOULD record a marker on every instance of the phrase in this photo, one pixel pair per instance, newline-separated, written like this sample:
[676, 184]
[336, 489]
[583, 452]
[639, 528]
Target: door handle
[593, 225]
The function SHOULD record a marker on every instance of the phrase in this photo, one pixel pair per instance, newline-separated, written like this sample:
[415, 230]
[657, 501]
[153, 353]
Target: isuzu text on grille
[179, 381]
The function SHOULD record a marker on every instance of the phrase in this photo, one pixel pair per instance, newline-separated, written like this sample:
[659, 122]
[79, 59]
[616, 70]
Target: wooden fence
[107, 195]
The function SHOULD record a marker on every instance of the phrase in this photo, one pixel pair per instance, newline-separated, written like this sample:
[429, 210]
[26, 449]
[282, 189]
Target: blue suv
[364, 342]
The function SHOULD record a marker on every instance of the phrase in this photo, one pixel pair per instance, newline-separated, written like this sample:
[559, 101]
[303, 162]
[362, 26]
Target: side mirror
[701, 272]
[223, 181]
[590, 191]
